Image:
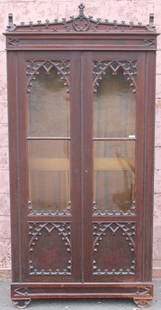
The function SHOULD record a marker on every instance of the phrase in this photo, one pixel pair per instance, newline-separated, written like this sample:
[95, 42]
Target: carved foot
[21, 303]
[141, 303]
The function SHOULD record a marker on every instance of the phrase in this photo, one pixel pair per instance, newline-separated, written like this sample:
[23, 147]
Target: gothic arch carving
[64, 231]
[101, 67]
[128, 232]
[33, 69]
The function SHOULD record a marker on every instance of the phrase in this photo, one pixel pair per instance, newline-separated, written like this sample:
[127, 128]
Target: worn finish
[87, 43]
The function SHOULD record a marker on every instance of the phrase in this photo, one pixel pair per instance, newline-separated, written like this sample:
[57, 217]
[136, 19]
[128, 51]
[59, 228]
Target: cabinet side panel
[14, 159]
[149, 165]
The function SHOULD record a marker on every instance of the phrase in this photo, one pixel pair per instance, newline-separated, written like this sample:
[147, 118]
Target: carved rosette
[64, 231]
[33, 70]
[128, 67]
[128, 231]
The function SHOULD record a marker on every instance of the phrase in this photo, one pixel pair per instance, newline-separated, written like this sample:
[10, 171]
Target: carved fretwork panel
[34, 67]
[129, 71]
[50, 248]
[98, 212]
[48, 212]
[114, 249]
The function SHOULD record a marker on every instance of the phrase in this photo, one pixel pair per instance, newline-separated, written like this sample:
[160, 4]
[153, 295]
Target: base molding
[23, 293]
[28, 290]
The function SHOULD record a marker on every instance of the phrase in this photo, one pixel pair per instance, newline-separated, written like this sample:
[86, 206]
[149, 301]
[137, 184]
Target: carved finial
[151, 19]
[10, 26]
[81, 9]
[10, 19]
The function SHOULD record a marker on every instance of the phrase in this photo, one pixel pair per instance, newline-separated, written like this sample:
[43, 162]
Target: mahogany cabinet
[81, 135]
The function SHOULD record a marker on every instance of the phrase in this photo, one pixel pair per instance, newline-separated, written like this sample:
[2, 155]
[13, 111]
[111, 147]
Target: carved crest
[80, 23]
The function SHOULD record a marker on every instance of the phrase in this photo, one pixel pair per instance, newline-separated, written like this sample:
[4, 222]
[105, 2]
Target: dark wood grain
[121, 43]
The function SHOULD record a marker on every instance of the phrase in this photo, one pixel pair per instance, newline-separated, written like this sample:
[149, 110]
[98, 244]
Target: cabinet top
[79, 27]
[81, 23]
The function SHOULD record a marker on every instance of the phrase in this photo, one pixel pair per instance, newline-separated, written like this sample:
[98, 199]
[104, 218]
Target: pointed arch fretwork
[129, 71]
[36, 232]
[34, 67]
[128, 232]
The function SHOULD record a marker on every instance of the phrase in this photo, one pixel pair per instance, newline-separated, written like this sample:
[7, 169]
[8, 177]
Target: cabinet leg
[21, 303]
[141, 303]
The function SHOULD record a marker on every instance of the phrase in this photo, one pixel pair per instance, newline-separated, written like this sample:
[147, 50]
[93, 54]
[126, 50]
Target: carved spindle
[31, 24]
[131, 24]
[64, 20]
[151, 19]
[115, 23]
[10, 19]
[47, 23]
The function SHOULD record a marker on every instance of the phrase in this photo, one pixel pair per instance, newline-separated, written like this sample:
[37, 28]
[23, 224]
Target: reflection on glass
[49, 175]
[48, 106]
[114, 107]
[114, 175]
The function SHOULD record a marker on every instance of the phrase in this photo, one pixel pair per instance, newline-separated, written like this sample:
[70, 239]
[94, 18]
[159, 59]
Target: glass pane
[114, 176]
[49, 178]
[114, 107]
[48, 106]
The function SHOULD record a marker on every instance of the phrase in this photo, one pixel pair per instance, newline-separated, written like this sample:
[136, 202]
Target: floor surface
[78, 304]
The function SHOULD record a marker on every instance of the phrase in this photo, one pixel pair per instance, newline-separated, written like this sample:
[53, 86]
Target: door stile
[38, 218]
[140, 151]
[76, 164]
[87, 164]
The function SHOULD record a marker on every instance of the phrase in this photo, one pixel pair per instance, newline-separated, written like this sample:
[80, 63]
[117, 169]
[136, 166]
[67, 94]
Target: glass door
[82, 190]
[51, 140]
[114, 142]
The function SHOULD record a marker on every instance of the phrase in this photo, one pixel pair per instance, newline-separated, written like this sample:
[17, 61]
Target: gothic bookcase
[81, 135]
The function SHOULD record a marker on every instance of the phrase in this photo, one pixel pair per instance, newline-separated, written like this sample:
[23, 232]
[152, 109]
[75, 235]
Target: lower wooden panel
[24, 291]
